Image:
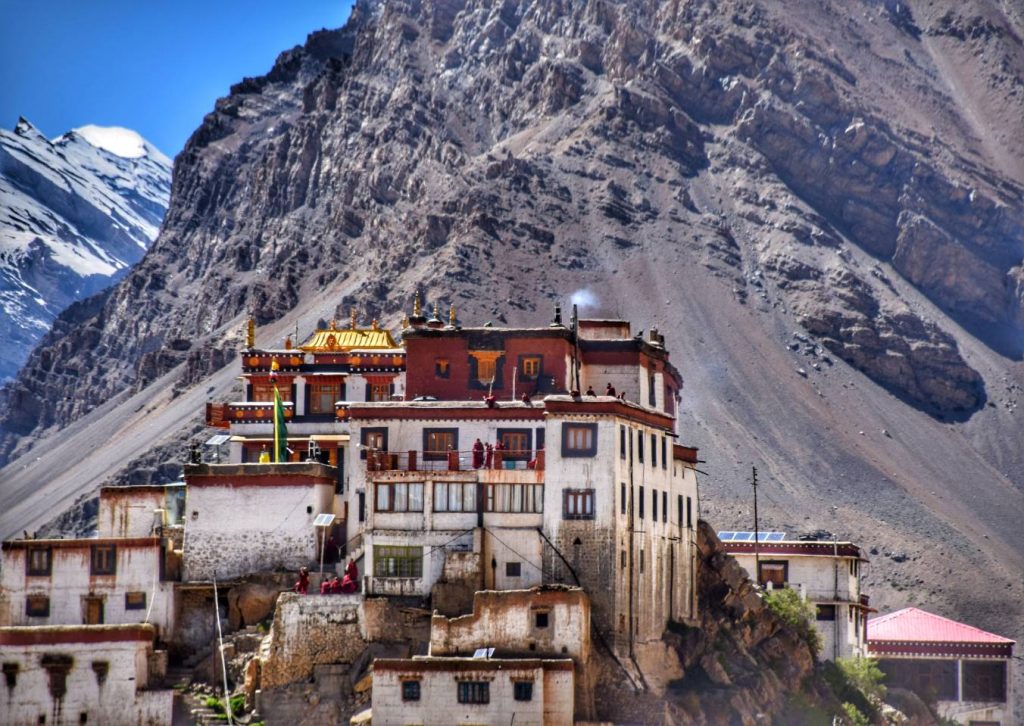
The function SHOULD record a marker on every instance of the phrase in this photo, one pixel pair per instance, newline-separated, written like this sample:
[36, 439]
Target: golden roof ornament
[405, 323]
[451, 315]
[250, 334]
[334, 324]
[352, 322]
[375, 325]
[417, 310]
[274, 365]
[287, 342]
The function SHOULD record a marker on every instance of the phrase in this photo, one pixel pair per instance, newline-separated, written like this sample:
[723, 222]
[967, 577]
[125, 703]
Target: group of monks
[333, 586]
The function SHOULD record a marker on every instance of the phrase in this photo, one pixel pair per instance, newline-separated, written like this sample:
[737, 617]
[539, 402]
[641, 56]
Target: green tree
[796, 612]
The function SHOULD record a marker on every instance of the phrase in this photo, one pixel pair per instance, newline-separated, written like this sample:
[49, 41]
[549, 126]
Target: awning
[265, 439]
[339, 438]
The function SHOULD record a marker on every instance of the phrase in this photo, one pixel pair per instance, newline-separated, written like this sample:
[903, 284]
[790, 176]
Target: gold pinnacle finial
[405, 322]
[437, 312]
[353, 319]
[451, 315]
[417, 309]
[375, 325]
[250, 334]
[334, 324]
[288, 342]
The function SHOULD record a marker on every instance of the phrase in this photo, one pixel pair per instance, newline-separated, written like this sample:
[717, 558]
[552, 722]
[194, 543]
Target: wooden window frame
[568, 436]
[442, 368]
[513, 569]
[530, 360]
[522, 690]
[364, 435]
[135, 600]
[825, 613]
[773, 563]
[411, 690]
[433, 454]
[520, 454]
[441, 501]
[311, 393]
[32, 568]
[474, 692]
[505, 498]
[97, 554]
[581, 500]
[37, 606]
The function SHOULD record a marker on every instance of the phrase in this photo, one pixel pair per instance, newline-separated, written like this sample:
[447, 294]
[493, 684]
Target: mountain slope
[819, 203]
[75, 213]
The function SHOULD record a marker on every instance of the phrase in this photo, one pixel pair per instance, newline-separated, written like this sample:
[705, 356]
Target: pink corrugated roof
[912, 624]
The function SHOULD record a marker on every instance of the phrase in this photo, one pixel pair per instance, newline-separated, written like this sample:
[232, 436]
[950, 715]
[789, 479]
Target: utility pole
[757, 555]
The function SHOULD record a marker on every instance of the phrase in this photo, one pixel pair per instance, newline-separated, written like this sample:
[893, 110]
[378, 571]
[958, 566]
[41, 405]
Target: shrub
[864, 675]
[796, 612]
[853, 717]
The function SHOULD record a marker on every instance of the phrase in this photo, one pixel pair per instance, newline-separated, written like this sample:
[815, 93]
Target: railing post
[412, 461]
[540, 460]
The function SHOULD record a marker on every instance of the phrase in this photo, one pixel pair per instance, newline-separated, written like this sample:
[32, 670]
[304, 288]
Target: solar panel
[483, 652]
[218, 439]
[326, 519]
[731, 536]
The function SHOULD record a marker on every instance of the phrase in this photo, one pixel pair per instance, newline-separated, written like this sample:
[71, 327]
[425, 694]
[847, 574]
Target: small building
[244, 518]
[826, 572]
[83, 674]
[965, 672]
[443, 691]
[108, 580]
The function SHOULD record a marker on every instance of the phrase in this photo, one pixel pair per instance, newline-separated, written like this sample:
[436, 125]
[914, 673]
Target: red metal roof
[918, 626]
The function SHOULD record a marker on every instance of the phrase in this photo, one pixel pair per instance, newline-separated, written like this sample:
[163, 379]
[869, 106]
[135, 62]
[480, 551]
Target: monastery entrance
[93, 611]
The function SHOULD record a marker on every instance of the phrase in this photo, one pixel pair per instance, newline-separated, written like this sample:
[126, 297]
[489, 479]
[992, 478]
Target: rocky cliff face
[75, 214]
[818, 201]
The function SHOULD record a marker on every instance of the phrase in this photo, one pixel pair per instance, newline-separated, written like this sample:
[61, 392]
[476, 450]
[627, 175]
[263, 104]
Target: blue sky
[155, 66]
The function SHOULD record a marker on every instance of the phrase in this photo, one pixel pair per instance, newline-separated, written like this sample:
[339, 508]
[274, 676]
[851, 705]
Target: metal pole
[223, 664]
[757, 554]
[323, 538]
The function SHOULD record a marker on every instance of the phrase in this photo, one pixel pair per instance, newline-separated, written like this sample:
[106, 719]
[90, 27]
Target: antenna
[575, 348]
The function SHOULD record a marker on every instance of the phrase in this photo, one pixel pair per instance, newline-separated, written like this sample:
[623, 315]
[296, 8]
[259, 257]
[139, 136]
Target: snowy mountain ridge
[75, 213]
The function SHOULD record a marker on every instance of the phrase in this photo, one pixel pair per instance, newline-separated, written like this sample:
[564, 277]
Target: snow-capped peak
[118, 140]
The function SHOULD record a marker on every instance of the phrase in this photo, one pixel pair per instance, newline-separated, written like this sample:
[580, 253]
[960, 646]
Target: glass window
[622, 442]
[378, 392]
[514, 498]
[513, 569]
[523, 690]
[622, 498]
[437, 443]
[135, 601]
[579, 504]
[39, 561]
[654, 450]
[454, 497]
[486, 369]
[640, 446]
[664, 506]
[410, 690]
[984, 681]
[37, 606]
[529, 367]
[664, 452]
[399, 497]
[654, 504]
[322, 397]
[397, 561]
[442, 367]
[264, 392]
[373, 438]
[541, 619]
[474, 692]
[579, 439]
[516, 443]
[640, 501]
[103, 560]
[826, 612]
[777, 573]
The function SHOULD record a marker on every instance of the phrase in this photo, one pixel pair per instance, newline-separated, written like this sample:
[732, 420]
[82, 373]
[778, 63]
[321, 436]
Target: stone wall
[453, 593]
[311, 630]
[269, 527]
[508, 620]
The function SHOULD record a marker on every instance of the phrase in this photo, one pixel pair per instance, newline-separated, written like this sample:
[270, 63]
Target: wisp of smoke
[583, 298]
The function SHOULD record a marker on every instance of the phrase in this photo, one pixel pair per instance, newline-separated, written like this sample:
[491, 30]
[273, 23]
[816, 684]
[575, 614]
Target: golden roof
[335, 339]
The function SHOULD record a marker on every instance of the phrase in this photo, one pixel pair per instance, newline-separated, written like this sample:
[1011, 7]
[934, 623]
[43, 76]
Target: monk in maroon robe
[478, 454]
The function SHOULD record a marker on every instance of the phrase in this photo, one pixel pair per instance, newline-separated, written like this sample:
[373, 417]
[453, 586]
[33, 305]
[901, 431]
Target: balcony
[452, 461]
[222, 415]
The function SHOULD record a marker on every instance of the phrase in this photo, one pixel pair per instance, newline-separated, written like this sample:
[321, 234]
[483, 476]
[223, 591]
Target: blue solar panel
[744, 537]
[725, 536]
[775, 537]
[731, 536]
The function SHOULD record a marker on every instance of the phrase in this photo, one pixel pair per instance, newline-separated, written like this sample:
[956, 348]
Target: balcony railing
[224, 414]
[522, 459]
